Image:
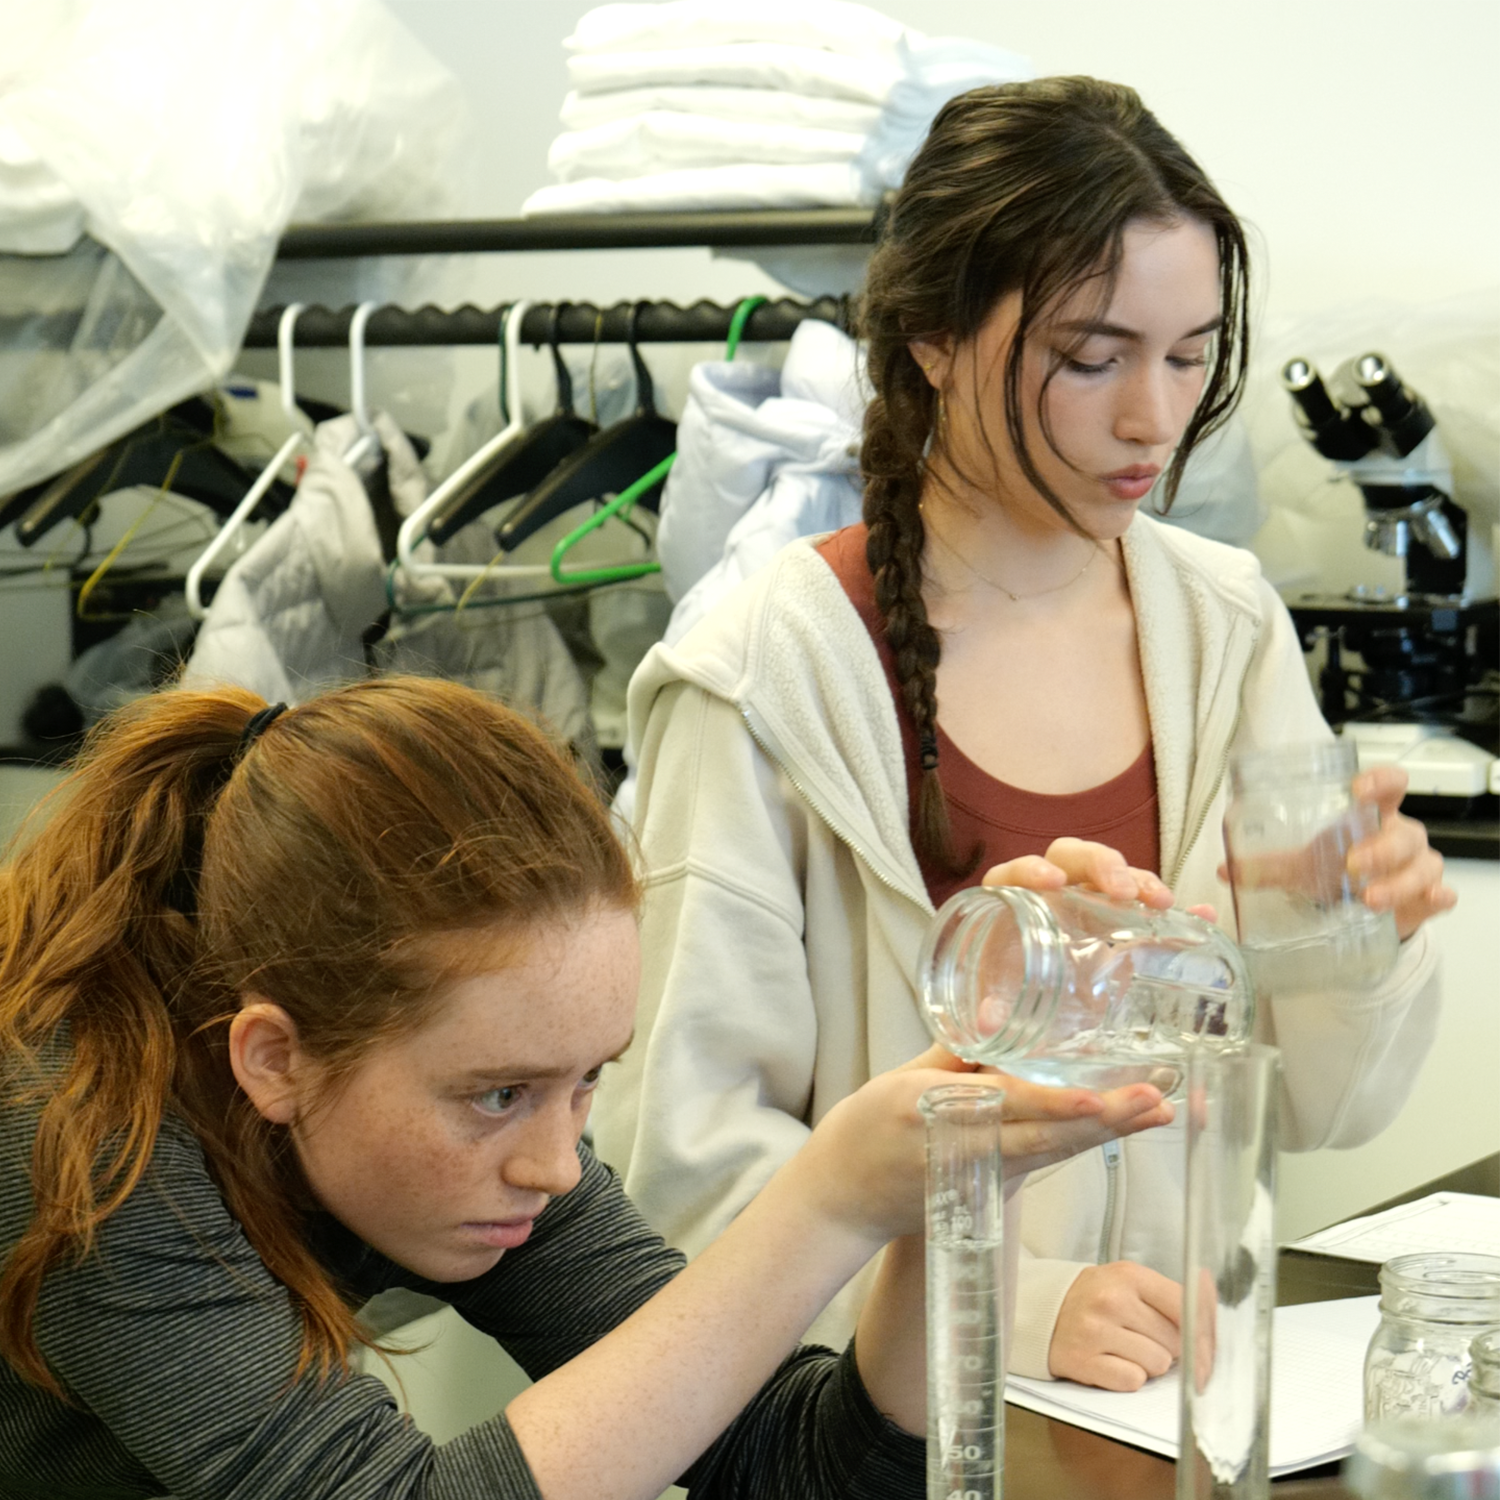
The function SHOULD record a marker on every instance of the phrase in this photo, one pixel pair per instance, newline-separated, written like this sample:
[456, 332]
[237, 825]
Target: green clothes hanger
[622, 503]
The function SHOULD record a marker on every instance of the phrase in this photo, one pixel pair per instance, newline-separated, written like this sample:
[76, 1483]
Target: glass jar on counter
[1432, 1307]
[1455, 1460]
[1071, 988]
[1288, 829]
[1484, 1375]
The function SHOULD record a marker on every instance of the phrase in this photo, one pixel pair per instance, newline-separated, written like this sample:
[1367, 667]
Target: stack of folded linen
[750, 104]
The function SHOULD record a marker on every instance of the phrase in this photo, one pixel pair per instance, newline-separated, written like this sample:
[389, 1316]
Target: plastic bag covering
[183, 137]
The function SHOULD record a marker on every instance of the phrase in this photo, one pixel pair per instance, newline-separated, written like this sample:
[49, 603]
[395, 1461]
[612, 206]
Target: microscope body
[1425, 655]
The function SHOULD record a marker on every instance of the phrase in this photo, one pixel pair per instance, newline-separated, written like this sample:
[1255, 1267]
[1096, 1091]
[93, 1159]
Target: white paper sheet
[1317, 1390]
[1443, 1221]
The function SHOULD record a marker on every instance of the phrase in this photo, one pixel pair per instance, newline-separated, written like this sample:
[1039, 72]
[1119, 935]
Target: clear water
[965, 1369]
[1346, 951]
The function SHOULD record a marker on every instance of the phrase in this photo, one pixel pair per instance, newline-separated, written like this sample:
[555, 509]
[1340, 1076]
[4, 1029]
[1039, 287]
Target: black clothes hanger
[177, 446]
[609, 462]
[525, 462]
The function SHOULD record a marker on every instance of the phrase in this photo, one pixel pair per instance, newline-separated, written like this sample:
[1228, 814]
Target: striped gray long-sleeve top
[177, 1347]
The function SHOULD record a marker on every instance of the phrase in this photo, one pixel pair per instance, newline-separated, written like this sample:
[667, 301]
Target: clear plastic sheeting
[183, 138]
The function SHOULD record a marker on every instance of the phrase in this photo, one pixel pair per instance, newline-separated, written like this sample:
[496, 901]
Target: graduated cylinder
[965, 1293]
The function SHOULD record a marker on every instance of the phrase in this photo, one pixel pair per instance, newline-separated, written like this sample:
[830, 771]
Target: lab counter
[1046, 1459]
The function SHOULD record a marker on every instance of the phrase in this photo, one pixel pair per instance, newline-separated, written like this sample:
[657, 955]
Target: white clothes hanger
[414, 527]
[193, 586]
[367, 444]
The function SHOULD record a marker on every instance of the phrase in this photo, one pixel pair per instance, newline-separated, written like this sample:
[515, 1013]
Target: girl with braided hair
[1007, 673]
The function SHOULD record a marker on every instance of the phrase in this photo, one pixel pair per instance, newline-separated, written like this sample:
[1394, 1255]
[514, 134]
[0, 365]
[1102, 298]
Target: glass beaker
[1456, 1460]
[1288, 829]
[1432, 1306]
[1229, 1274]
[1484, 1375]
[965, 1292]
[1068, 987]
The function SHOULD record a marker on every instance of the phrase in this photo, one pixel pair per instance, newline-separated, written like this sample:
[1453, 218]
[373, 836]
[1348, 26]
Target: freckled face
[442, 1146]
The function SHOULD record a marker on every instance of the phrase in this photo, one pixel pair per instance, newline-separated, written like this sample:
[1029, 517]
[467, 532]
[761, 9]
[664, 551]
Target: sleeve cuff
[1041, 1286]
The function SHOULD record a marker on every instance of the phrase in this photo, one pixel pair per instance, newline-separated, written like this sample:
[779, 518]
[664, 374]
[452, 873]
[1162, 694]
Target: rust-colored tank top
[1003, 821]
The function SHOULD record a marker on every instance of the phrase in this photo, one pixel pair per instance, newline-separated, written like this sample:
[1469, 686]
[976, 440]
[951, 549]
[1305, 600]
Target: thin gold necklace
[1056, 588]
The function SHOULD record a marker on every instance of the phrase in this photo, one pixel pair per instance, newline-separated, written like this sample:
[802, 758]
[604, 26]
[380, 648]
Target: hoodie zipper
[1111, 1195]
[1218, 780]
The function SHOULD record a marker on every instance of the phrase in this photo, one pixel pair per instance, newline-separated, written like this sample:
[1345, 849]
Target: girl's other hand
[1402, 874]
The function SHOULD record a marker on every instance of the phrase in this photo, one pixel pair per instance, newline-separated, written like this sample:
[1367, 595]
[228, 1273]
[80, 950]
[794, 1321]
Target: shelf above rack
[770, 226]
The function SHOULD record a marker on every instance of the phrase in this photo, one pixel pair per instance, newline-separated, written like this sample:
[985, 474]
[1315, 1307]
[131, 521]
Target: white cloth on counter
[762, 65]
[584, 111]
[754, 185]
[837, 25]
[662, 94]
[667, 140]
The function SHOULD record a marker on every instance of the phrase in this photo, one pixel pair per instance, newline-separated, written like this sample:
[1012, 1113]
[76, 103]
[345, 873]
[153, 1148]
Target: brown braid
[1027, 188]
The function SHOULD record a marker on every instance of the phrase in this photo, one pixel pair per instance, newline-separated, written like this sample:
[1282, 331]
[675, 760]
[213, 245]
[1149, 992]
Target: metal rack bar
[779, 226]
[577, 323]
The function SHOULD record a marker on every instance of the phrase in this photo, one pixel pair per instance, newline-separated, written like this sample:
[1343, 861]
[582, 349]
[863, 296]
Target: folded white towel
[583, 111]
[825, 184]
[764, 65]
[665, 141]
[835, 25]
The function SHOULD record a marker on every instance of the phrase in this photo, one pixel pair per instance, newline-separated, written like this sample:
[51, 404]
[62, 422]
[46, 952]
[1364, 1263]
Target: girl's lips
[1131, 484]
[504, 1235]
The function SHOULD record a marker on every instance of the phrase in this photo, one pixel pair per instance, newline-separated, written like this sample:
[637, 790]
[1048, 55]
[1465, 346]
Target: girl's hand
[1080, 862]
[867, 1157]
[1403, 874]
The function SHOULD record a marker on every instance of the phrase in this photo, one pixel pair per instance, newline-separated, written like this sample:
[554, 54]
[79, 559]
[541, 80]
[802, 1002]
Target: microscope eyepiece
[1334, 431]
[1402, 415]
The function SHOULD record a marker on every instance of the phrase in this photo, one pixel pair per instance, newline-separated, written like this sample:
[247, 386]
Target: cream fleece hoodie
[784, 909]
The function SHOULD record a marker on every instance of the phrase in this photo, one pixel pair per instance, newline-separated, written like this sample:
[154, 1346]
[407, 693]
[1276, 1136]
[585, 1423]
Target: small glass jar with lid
[1484, 1375]
[1069, 987]
[1432, 1307]
[1288, 829]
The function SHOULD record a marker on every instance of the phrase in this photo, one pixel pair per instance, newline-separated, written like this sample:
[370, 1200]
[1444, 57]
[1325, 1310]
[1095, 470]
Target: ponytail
[334, 859]
[97, 938]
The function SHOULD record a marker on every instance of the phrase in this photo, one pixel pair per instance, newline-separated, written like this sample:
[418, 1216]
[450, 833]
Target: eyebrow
[1094, 327]
[515, 1071]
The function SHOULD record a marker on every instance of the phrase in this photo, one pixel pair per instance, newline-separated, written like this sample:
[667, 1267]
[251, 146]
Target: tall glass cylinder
[965, 1293]
[1229, 1275]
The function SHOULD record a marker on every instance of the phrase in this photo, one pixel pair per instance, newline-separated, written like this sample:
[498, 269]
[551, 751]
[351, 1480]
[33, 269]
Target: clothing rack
[740, 227]
[577, 323]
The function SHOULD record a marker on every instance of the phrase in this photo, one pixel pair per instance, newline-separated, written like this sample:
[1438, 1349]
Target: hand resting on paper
[1119, 1325]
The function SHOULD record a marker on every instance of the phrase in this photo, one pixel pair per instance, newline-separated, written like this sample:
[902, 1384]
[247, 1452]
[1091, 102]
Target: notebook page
[1442, 1222]
[1317, 1390]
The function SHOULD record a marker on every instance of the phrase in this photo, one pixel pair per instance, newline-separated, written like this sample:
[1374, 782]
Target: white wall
[1362, 137]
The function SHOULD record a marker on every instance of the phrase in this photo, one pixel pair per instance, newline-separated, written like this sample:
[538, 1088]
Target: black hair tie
[929, 751]
[258, 724]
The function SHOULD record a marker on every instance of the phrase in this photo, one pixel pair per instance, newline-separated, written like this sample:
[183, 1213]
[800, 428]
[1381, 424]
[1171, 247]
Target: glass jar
[1288, 829]
[1432, 1306]
[1457, 1460]
[1069, 987]
[1484, 1375]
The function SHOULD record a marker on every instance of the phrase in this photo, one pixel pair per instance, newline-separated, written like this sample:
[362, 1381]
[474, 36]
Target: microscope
[1410, 674]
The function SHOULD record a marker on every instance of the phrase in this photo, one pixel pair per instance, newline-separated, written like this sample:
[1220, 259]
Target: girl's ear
[935, 356]
[266, 1059]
